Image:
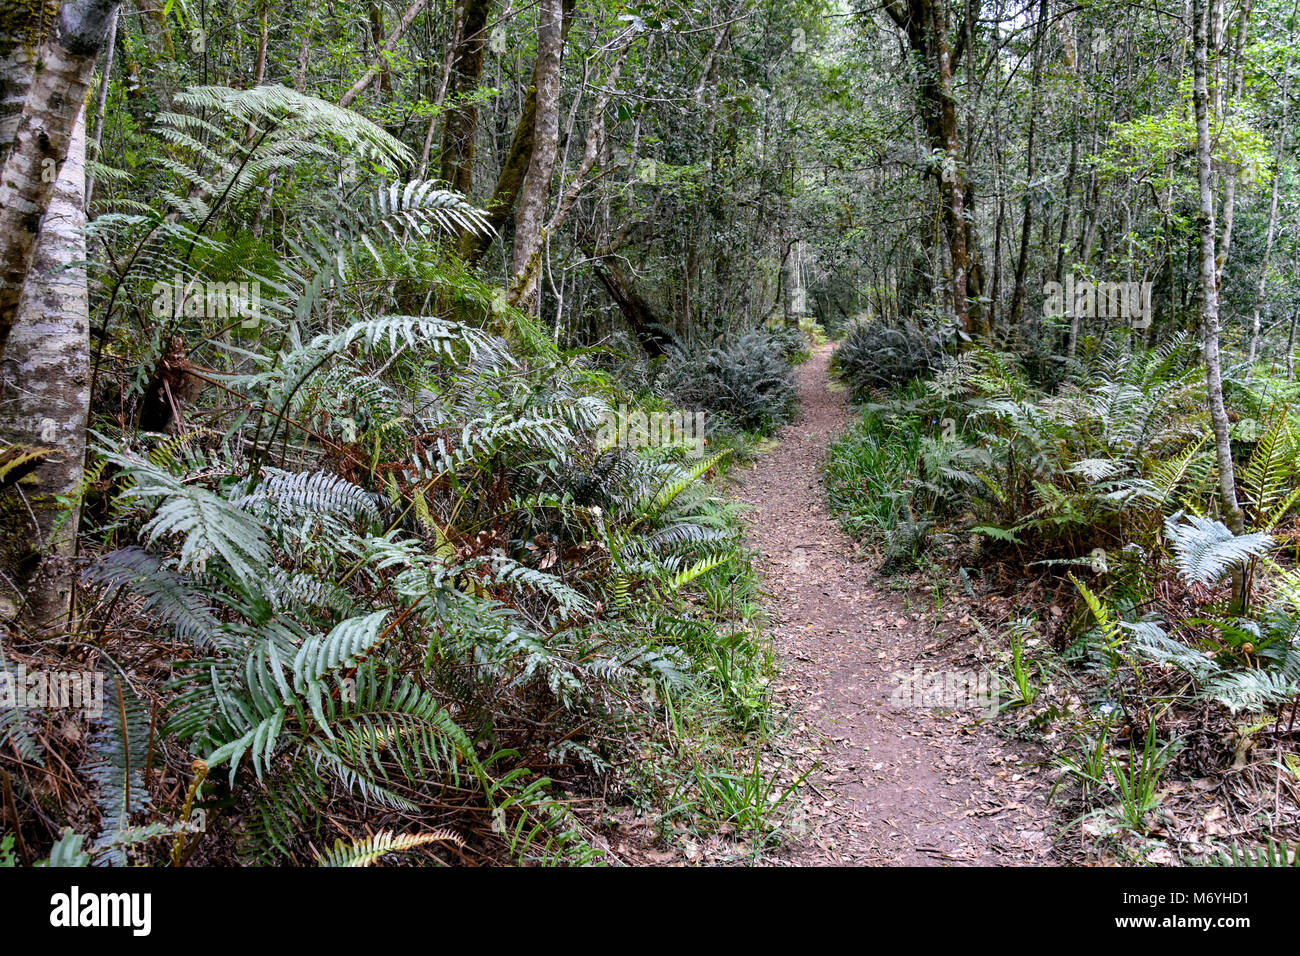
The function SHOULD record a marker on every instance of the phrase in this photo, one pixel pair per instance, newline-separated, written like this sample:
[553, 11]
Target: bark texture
[926, 24]
[1209, 281]
[460, 126]
[514, 165]
[530, 240]
[44, 401]
[51, 109]
[635, 309]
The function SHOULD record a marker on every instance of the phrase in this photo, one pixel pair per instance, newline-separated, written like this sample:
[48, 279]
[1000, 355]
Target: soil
[882, 689]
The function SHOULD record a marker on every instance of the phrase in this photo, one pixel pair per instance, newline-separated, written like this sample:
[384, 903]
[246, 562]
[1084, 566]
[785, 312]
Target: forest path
[894, 784]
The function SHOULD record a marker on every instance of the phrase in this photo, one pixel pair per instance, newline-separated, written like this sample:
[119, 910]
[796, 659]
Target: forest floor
[893, 779]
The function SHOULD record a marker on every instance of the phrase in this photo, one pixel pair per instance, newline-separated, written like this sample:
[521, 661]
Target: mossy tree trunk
[44, 376]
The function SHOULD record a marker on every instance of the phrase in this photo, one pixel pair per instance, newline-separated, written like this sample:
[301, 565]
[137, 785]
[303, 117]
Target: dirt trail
[896, 784]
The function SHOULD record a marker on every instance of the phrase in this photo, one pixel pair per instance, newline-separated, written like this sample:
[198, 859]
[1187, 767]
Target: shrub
[748, 380]
[398, 576]
[877, 355]
[1103, 458]
[789, 340]
[356, 633]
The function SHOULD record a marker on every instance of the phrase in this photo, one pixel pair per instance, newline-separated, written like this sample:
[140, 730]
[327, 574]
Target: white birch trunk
[1208, 281]
[51, 109]
[44, 401]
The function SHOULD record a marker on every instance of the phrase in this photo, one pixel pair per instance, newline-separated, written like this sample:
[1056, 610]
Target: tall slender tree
[460, 121]
[52, 107]
[1209, 288]
[530, 240]
[44, 373]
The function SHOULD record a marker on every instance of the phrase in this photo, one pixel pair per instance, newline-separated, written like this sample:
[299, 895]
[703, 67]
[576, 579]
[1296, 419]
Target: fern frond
[699, 568]
[208, 524]
[119, 747]
[292, 495]
[166, 596]
[413, 331]
[367, 850]
[1149, 641]
[296, 114]
[1251, 690]
[1206, 549]
[67, 851]
[1272, 854]
[1270, 469]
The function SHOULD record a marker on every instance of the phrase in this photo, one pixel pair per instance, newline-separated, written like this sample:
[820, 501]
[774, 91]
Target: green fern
[367, 850]
[208, 524]
[1272, 854]
[165, 595]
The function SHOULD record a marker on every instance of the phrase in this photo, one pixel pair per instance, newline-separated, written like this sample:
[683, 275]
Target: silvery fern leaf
[291, 495]
[207, 524]
[412, 331]
[118, 751]
[15, 731]
[1149, 641]
[166, 596]
[1206, 548]
[1251, 690]
[1096, 469]
[285, 111]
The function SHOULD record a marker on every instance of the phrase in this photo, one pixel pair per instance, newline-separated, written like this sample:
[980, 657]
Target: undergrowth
[362, 577]
[1090, 507]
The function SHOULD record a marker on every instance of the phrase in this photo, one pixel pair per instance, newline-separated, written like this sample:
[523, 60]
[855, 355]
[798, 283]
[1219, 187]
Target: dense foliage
[309, 374]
